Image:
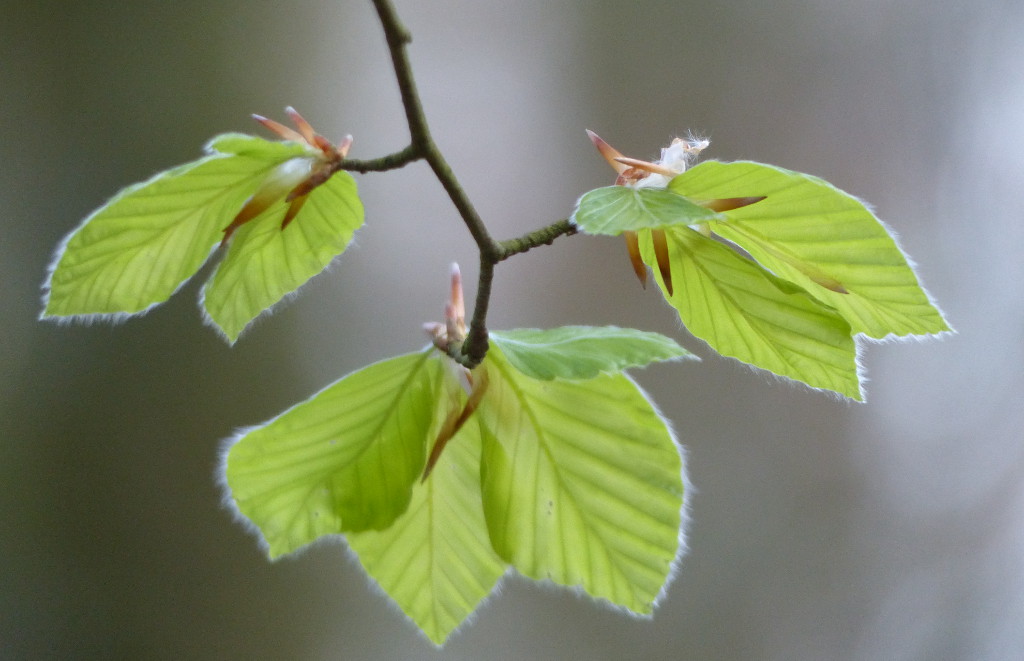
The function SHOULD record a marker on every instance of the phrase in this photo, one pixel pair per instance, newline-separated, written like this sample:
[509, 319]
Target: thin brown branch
[394, 161]
[422, 146]
[545, 236]
[398, 37]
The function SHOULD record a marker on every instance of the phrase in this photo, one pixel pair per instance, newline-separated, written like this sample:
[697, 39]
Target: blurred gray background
[821, 529]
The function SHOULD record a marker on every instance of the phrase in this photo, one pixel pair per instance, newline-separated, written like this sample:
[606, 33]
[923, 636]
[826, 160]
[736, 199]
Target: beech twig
[422, 147]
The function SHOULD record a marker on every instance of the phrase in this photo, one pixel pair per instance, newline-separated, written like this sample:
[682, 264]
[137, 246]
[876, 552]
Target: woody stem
[422, 147]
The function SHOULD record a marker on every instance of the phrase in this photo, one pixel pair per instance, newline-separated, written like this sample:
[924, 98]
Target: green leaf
[436, 560]
[582, 483]
[242, 144]
[583, 352]
[815, 235]
[616, 209]
[344, 460]
[265, 262]
[136, 250]
[744, 312]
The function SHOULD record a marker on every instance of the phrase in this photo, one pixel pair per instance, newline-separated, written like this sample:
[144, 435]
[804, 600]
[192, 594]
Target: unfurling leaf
[349, 459]
[265, 262]
[826, 270]
[822, 239]
[745, 312]
[134, 252]
[436, 560]
[582, 483]
[574, 479]
[344, 460]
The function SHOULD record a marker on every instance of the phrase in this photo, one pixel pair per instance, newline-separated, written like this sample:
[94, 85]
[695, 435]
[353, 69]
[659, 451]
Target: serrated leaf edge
[114, 318]
[684, 520]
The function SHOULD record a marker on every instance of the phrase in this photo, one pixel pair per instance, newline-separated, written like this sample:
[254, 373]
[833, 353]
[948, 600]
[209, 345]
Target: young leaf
[583, 352]
[243, 144]
[344, 460]
[744, 312]
[616, 209]
[136, 250]
[436, 560]
[826, 241]
[265, 262]
[582, 483]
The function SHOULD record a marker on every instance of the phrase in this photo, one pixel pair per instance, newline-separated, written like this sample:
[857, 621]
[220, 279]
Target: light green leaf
[344, 460]
[243, 144]
[436, 560]
[136, 250]
[745, 312]
[615, 209]
[583, 352]
[265, 262]
[582, 483]
[815, 235]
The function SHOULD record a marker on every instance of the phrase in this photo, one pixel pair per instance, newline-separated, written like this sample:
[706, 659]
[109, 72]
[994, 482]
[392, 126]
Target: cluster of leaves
[565, 471]
[445, 468]
[139, 248]
[775, 268]
[558, 465]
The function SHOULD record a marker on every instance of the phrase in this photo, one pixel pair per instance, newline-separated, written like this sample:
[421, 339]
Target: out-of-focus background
[821, 529]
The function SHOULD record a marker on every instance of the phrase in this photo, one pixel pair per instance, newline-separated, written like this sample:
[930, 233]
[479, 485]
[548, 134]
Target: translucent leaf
[815, 235]
[265, 262]
[136, 250]
[344, 460]
[745, 312]
[436, 560]
[243, 144]
[583, 352]
[615, 209]
[582, 483]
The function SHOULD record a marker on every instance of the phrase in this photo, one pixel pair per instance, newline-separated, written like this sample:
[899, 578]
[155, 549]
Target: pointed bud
[455, 311]
[610, 154]
[304, 127]
[343, 146]
[278, 128]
